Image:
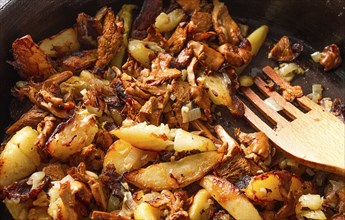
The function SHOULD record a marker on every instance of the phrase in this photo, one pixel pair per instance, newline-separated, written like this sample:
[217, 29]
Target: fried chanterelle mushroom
[284, 51]
[330, 57]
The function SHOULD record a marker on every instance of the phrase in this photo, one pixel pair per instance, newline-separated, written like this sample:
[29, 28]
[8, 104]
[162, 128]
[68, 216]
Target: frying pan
[315, 24]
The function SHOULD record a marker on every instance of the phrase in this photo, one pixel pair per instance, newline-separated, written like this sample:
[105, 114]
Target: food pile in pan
[114, 120]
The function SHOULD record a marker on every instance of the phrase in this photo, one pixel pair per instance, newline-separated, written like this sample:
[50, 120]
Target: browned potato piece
[76, 133]
[61, 43]
[143, 51]
[126, 157]
[19, 158]
[186, 141]
[30, 59]
[265, 187]
[126, 14]
[201, 206]
[218, 90]
[144, 211]
[230, 198]
[144, 136]
[168, 22]
[176, 174]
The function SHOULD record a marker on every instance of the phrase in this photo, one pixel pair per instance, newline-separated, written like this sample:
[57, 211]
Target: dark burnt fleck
[22, 191]
[338, 109]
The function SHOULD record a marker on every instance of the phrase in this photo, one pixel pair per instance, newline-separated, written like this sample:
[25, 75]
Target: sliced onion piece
[35, 179]
[190, 114]
[172, 97]
[318, 214]
[316, 56]
[311, 201]
[316, 94]
[273, 104]
[288, 70]
[128, 205]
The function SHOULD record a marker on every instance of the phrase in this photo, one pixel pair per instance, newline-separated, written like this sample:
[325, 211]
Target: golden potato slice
[201, 204]
[145, 137]
[144, 211]
[168, 22]
[143, 51]
[176, 174]
[256, 39]
[186, 141]
[126, 157]
[61, 43]
[126, 14]
[30, 59]
[230, 198]
[76, 133]
[218, 90]
[25, 140]
[19, 158]
[265, 187]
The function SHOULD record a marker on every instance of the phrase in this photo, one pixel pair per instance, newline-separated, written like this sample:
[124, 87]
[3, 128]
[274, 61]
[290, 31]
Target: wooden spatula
[316, 138]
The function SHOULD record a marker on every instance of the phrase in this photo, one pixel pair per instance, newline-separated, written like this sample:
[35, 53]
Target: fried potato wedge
[145, 137]
[21, 147]
[256, 39]
[265, 187]
[144, 211]
[201, 205]
[218, 90]
[230, 198]
[126, 14]
[168, 22]
[31, 60]
[143, 51]
[61, 43]
[126, 157]
[186, 141]
[73, 135]
[176, 174]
